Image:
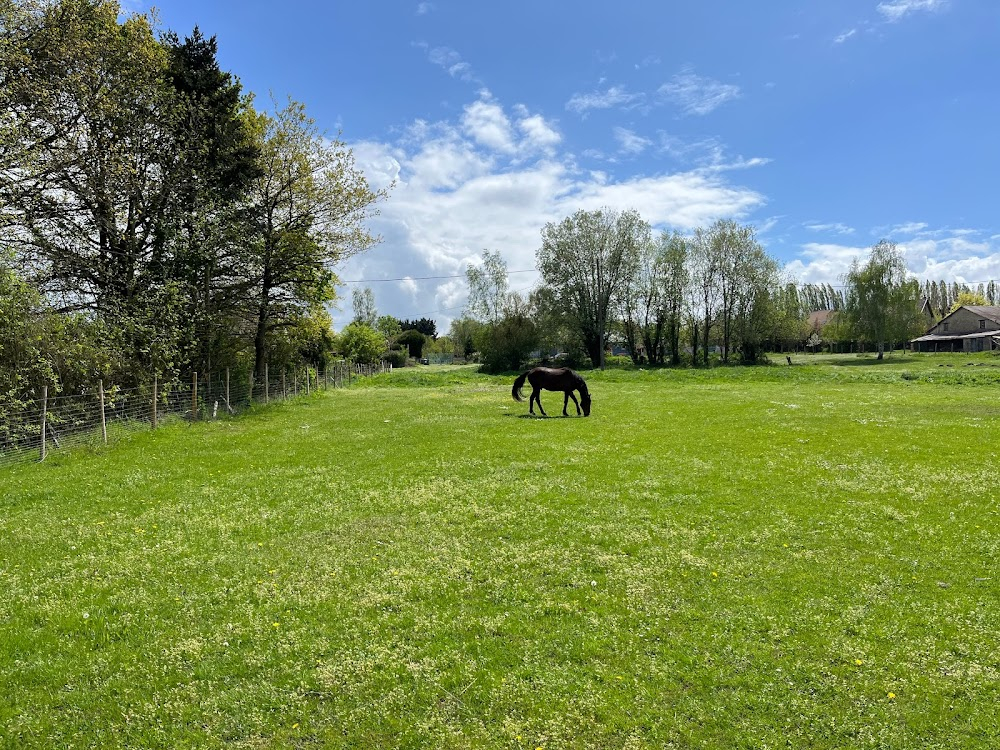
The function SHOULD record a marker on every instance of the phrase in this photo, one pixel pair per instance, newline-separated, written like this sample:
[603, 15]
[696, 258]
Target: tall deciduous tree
[90, 105]
[488, 288]
[641, 302]
[881, 304]
[587, 259]
[363, 302]
[676, 278]
[310, 206]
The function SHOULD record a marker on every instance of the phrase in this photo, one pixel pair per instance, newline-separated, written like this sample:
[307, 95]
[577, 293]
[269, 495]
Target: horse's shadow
[538, 416]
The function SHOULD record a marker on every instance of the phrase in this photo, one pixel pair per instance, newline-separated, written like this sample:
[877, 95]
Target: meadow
[769, 557]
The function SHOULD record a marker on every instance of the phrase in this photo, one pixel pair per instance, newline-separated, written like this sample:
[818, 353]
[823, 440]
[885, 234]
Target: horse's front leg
[566, 395]
[571, 395]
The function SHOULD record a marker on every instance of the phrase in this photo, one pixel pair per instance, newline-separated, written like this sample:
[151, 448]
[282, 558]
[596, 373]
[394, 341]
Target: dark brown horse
[553, 379]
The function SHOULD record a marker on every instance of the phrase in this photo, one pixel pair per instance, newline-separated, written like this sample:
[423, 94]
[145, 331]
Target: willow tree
[881, 301]
[310, 204]
[587, 260]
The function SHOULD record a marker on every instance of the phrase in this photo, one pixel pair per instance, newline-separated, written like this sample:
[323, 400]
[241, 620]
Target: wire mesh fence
[57, 421]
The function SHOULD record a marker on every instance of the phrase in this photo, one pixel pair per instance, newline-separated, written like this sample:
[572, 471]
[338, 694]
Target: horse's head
[585, 403]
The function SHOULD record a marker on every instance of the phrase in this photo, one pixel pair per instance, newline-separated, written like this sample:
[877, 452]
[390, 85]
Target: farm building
[970, 328]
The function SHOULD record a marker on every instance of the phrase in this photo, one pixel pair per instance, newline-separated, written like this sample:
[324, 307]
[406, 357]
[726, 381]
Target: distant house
[970, 328]
[928, 312]
[817, 320]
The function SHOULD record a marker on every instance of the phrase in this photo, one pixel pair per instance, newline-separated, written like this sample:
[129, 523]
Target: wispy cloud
[450, 60]
[845, 36]
[424, 8]
[697, 95]
[899, 9]
[837, 227]
[909, 228]
[615, 96]
[631, 142]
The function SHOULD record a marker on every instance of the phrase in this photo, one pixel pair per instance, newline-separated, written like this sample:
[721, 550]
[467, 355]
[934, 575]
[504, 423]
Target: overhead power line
[425, 278]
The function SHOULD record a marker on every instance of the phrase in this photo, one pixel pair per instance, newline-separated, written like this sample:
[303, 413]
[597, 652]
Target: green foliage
[587, 260]
[508, 344]
[389, 327]
[882, 301]
[413, 340]
[39, 347]
[359, 343]
[463, 334]
[968, 298]
[396, 357]
[425, 326]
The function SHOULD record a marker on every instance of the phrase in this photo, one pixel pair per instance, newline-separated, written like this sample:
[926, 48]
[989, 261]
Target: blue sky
[827, 125]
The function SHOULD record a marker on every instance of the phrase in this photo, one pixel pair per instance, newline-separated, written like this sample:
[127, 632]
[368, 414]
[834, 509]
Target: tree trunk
[260, 337]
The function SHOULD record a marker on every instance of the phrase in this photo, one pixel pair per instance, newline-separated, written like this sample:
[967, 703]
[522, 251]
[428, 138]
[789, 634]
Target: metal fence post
[45, 405]
[154, 402]
[194, 396]
[104, 421]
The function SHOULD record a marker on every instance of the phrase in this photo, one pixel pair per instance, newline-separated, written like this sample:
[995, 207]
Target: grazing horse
[553, 379]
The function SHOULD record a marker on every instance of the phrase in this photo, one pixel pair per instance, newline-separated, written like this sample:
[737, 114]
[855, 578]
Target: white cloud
[459, 191]
[948, 256]
[613, 97]
[840, 39]
[899, 9]
[823, 263]
[697, 95]
[487, 124]
[424, 8]
[538, 134]
[409, 286]
[630, 142]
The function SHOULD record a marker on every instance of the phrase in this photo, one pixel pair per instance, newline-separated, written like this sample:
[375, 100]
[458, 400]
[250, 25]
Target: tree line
[152, 218]
[608, 282]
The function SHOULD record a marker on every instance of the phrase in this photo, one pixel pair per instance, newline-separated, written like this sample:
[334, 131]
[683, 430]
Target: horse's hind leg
[566, 402]
[537, 396]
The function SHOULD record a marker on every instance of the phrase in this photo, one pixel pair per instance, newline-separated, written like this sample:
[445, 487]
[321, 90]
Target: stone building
[970, 328]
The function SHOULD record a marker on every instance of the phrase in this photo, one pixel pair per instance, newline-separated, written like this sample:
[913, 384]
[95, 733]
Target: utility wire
[424, 278]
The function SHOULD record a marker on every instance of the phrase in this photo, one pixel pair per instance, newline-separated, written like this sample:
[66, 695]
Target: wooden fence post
[307, 379]
[104, 422]
[154, 402]
[45, 405]
[229, 404]
[194, 396]
[267, 385]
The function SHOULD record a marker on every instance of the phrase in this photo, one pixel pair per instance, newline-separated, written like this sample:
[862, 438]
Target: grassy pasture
[777, 557]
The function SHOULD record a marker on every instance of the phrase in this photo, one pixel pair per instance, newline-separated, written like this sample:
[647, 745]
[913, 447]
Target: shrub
[396, 357]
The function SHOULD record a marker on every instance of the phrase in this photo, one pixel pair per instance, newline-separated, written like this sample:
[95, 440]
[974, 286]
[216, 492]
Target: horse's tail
[518, 384]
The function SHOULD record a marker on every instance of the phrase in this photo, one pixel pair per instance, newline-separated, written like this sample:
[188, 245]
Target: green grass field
[773, 557]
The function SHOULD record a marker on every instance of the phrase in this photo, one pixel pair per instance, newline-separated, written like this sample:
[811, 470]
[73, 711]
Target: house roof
[820, 318]
[989, 312]
[939, 337]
